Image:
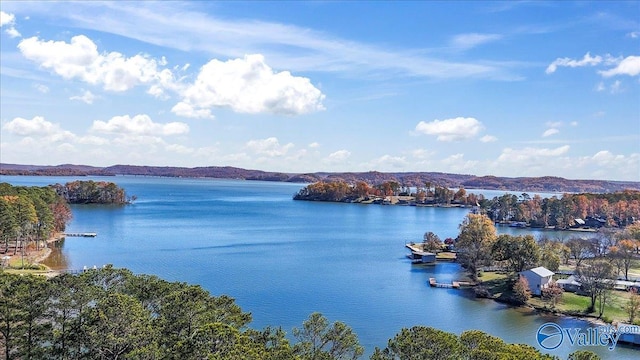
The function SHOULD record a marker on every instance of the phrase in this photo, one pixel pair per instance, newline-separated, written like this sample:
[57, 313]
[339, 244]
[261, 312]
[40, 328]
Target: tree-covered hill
[91, 192]
[531, 184]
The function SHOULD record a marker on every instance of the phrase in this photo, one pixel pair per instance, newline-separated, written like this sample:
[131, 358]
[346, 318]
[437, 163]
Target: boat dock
[453, 285]
[85, 234]
[418, 256]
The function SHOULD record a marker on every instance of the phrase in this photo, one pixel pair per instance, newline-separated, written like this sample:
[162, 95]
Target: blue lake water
[283, 259]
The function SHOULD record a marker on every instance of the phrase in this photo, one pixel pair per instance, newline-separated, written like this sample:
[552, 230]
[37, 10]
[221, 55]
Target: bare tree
[597, 277]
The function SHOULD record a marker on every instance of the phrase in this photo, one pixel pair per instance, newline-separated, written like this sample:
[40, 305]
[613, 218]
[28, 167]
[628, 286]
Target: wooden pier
[453, 285]
[86, 234]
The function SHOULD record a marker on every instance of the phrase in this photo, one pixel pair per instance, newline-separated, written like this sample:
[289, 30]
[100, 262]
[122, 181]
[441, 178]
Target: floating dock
[85, 234]
[453, 285]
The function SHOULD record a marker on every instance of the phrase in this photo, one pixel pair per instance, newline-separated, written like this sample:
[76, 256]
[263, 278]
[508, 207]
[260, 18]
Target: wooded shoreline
[530, 184]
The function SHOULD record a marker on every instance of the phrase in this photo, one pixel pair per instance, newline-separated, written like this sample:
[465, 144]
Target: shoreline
[539, 310]
[40, 257]
[536, 309]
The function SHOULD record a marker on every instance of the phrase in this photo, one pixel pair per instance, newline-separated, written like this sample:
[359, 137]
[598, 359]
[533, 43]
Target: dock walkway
[453, 285]
[85, 234]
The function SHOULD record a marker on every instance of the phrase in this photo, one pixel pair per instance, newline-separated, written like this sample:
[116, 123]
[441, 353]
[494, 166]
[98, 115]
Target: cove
[283, 259]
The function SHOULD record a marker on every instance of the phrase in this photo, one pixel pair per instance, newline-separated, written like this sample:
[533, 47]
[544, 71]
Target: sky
[507, 88]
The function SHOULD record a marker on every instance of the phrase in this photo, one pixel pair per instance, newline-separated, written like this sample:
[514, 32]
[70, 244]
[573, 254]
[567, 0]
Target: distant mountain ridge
[532, 184]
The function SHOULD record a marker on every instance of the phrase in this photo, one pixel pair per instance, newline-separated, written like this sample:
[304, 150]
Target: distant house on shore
[538, 279]
[595, 221]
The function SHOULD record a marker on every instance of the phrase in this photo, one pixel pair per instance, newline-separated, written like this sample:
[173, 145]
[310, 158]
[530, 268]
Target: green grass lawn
[492, 276]
[446, 255]
[499, 286]
[577, 304]
[17, 262]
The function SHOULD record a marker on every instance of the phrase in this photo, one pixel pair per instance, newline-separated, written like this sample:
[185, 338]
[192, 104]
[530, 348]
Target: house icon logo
[549, 336]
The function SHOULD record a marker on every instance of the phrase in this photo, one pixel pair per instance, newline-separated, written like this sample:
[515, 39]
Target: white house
[538, 279]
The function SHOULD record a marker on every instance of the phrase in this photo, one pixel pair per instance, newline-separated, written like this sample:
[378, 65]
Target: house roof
[571, 280]
[542, 271]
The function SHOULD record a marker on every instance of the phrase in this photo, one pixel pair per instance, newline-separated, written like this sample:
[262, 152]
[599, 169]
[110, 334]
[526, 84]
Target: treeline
[29, 216]
[598, 261]
[92, 192]
[413, 179]
[616, 209]
[478, 245]
[361, 191]
[111, 313]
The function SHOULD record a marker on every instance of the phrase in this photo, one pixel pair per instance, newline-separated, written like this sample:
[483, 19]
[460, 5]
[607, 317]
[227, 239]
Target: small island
[93, 192]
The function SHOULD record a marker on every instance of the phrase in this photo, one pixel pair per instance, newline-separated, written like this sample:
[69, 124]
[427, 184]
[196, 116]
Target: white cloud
[467, 41]
[421, 153]
[139, 125]
[605, 157]
[604, 163]
[268, 147]
[488, 138]
[179, 149]
[457, 163]
[616, 87]
[249, 85]
[587, 60]
[9, 20]
[388, 162]
[573, 123]
[451, 129]
[66, 148]
[314, 145]
[80, 59]
[634, 34]
[529, 154]
[92, 140]
[42, 88]
[628, 66]
[13, 32]
[613, 88]
[286, 46]
[550, 132]
[339, 156]
[6, 18]
[186, 110]
[37, 126]
[452, 158]
[86, 97]
[623, 66]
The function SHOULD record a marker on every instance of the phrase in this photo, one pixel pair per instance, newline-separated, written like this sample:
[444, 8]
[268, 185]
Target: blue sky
[518, 88]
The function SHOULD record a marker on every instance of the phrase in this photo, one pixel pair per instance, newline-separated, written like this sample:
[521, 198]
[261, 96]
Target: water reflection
[57, 259]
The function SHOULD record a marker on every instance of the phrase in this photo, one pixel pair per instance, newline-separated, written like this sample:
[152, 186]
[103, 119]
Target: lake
[283, 259]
